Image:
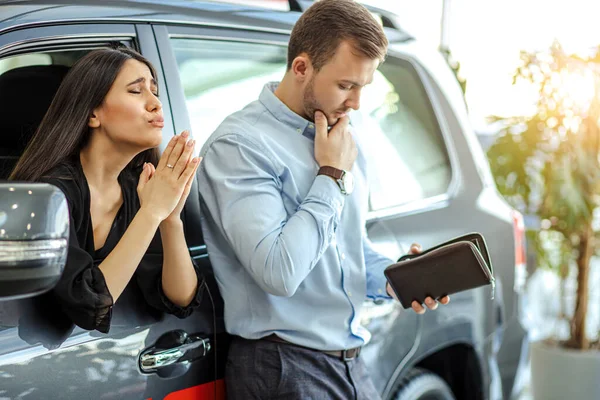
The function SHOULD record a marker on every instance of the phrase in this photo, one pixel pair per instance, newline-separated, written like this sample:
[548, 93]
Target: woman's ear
[93, 122]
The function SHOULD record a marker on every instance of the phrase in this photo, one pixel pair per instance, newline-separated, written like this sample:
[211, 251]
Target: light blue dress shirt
[288, 249]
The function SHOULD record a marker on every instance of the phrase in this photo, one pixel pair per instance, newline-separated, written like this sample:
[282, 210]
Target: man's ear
[94, 121]
[302, 67]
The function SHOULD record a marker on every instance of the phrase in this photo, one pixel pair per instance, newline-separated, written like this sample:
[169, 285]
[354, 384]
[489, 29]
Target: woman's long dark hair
[64, 129]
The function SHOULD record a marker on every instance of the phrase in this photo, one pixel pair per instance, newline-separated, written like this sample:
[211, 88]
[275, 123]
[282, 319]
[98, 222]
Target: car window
[403, 142]
[405, 150]
[24, 60]
[28, 83]
[219, 78]
[58, 57]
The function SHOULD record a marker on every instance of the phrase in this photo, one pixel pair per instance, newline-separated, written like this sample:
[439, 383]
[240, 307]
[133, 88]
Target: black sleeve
[81, 291]
[149, 278]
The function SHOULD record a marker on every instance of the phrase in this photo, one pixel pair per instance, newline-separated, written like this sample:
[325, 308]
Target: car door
[212, 72]
[146, 354]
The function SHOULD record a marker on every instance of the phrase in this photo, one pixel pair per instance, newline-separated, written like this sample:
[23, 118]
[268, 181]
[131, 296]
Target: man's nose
[354, 101]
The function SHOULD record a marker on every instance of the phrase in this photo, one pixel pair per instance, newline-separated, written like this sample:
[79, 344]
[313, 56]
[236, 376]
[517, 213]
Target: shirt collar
[283, 113]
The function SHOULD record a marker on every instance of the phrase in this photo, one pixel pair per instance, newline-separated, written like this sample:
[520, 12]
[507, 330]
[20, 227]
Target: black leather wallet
[460, 264]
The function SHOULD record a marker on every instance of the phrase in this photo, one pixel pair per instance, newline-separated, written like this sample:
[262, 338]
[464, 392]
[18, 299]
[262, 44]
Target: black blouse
[82, 291]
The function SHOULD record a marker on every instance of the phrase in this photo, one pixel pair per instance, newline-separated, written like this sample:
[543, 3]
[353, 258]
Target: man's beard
[310, 102]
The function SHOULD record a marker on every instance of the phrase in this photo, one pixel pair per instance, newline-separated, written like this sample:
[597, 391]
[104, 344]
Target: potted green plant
[547, 165]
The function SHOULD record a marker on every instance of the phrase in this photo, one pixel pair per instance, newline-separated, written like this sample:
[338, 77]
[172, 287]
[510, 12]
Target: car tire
[420, 384]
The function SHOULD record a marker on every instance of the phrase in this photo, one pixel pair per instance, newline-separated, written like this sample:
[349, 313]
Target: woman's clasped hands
[163, 190]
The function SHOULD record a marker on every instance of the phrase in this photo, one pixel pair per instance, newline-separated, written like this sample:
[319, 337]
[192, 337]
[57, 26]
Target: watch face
[348, 180]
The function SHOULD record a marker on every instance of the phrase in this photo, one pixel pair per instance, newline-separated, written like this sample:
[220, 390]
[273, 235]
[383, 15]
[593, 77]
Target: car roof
[15, 14]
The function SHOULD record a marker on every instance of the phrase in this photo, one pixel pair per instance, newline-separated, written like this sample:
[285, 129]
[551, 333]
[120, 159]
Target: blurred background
[487, 37]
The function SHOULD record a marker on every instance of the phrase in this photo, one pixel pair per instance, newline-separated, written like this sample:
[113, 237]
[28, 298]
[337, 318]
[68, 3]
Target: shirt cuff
[94, 294]
[326, 189]
[377, 283]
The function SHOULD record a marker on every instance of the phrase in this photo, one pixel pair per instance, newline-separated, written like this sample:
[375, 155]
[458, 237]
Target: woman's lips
[158, 122]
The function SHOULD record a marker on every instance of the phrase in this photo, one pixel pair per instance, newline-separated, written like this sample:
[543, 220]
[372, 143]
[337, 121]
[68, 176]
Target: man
[284, 206]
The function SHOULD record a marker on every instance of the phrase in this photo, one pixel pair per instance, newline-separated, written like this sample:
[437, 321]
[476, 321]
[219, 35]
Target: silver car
[431, 183]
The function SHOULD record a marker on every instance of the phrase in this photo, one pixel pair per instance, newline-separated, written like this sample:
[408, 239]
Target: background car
[430, 182]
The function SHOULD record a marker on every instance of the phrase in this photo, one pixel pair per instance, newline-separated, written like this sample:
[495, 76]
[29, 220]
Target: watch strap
[335, 173]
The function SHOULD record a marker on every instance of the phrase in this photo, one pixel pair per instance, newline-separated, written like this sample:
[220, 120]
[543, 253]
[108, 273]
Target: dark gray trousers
[260, 369]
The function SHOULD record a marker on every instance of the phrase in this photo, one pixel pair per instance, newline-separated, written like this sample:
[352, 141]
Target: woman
[98, 144]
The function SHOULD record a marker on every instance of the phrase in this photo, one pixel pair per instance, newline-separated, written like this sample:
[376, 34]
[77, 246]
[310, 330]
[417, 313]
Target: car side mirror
[34, 238]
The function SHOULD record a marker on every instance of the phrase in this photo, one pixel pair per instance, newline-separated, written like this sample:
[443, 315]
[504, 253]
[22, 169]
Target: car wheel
[420, 384]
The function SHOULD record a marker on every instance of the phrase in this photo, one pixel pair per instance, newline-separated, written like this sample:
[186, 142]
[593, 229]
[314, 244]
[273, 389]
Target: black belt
[344, 355]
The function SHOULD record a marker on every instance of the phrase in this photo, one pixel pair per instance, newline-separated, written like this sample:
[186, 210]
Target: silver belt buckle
[345, 356]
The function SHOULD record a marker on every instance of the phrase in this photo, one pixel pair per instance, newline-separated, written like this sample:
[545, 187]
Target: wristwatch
[344, 179]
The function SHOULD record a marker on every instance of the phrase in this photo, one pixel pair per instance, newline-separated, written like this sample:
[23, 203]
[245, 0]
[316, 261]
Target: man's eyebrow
[142, 79]
[353, 83]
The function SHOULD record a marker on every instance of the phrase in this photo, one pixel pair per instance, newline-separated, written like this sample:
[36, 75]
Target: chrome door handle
[194, 347]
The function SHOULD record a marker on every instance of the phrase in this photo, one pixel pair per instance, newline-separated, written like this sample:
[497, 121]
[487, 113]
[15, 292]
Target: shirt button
[379, 291]
[298, 130]
[349, 294]
[311, 126]
[343, 256]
